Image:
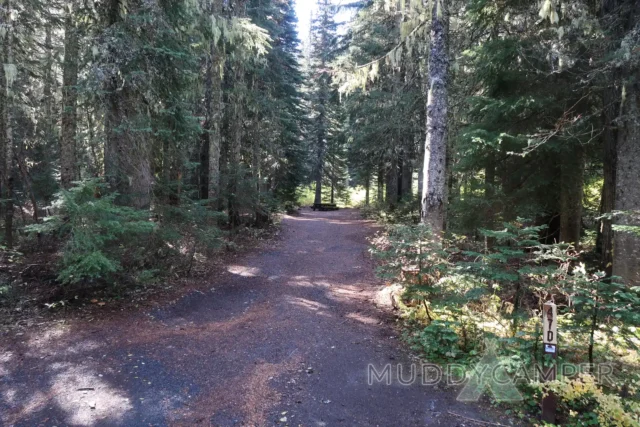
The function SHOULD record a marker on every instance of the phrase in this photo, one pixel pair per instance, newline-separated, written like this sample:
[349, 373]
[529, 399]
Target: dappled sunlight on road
[243, 271]
[77, 392]
[39, 343]
[367, 320]
[311, 305]
[86, 398]
[5, 359]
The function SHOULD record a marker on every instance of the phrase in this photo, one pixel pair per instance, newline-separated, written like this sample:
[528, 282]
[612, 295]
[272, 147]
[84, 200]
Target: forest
[496, 141]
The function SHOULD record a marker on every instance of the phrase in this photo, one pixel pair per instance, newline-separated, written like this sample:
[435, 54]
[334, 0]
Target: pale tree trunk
[421, 175]
[435, 164]
[626, 263]
[571, 192]
[3, 131]
[8, 154]
[68, 166]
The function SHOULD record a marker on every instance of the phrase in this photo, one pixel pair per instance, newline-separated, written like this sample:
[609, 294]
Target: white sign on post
[550, 341]
[550, 327]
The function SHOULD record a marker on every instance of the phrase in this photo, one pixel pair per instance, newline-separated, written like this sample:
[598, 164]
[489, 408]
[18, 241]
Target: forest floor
[281, 336]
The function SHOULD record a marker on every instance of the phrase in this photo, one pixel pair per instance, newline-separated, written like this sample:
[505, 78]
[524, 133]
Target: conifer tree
[323, 42]
[434, 191]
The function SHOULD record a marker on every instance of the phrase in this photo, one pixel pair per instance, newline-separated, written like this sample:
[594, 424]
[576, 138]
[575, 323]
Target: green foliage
[455, 299]
[584, 403]
[439, 341]
[98, 233]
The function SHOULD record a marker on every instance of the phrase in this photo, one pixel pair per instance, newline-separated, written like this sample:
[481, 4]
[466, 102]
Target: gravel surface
[282, 337]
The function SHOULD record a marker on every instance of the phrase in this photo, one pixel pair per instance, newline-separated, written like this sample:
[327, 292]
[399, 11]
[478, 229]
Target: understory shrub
[107, 243]
[98, 234]
[459, 293]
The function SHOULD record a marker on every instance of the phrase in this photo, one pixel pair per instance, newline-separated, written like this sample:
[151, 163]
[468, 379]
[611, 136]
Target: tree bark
[392, 182]
[380, 195]
[47, 89]
[236, 148]
[8, 117]
[421, 176]
[367, 185]
[319, 167]
[609, 155]
[261, 214]
[406, 177]
[126, 156]
[571, 192]
[434, 191]
[489, 188]
[215, 108]
[626, 245]
[68, 172]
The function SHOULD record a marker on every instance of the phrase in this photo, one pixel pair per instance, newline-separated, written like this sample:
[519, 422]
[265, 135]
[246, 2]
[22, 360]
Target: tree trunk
[319, 167]
[126, 155]
[27, 182]
[610, 111]
[489, 188]
[392, 182]
[421, 177]
[434, 191]
[203, 161]
[367, 185]
[8, 154]
[571, 192]
[406, 177]
[215, 108]
[626, 245]
[380, 195]
[236, 148]
[47, 89]
[607, 203]
[261, 214]
[68, 172]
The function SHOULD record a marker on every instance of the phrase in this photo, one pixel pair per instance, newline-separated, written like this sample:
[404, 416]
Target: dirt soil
[283, 336]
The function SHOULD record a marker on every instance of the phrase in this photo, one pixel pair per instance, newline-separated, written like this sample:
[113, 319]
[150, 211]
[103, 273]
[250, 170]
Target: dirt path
[284, 337]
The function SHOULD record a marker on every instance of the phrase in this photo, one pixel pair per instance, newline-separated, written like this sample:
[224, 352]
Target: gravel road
[283, 336]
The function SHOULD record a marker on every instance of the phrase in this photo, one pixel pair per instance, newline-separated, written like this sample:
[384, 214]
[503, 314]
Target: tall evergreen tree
[435, 159]
[323, 98]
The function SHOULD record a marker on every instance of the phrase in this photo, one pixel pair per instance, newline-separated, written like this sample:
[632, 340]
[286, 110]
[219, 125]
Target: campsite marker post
[550, 342]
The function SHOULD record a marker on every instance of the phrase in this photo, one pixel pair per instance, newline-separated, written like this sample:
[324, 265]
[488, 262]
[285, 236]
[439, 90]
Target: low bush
[458, 294]
[103, 242]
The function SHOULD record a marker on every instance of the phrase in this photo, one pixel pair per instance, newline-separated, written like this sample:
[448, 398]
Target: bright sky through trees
[304, 8]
